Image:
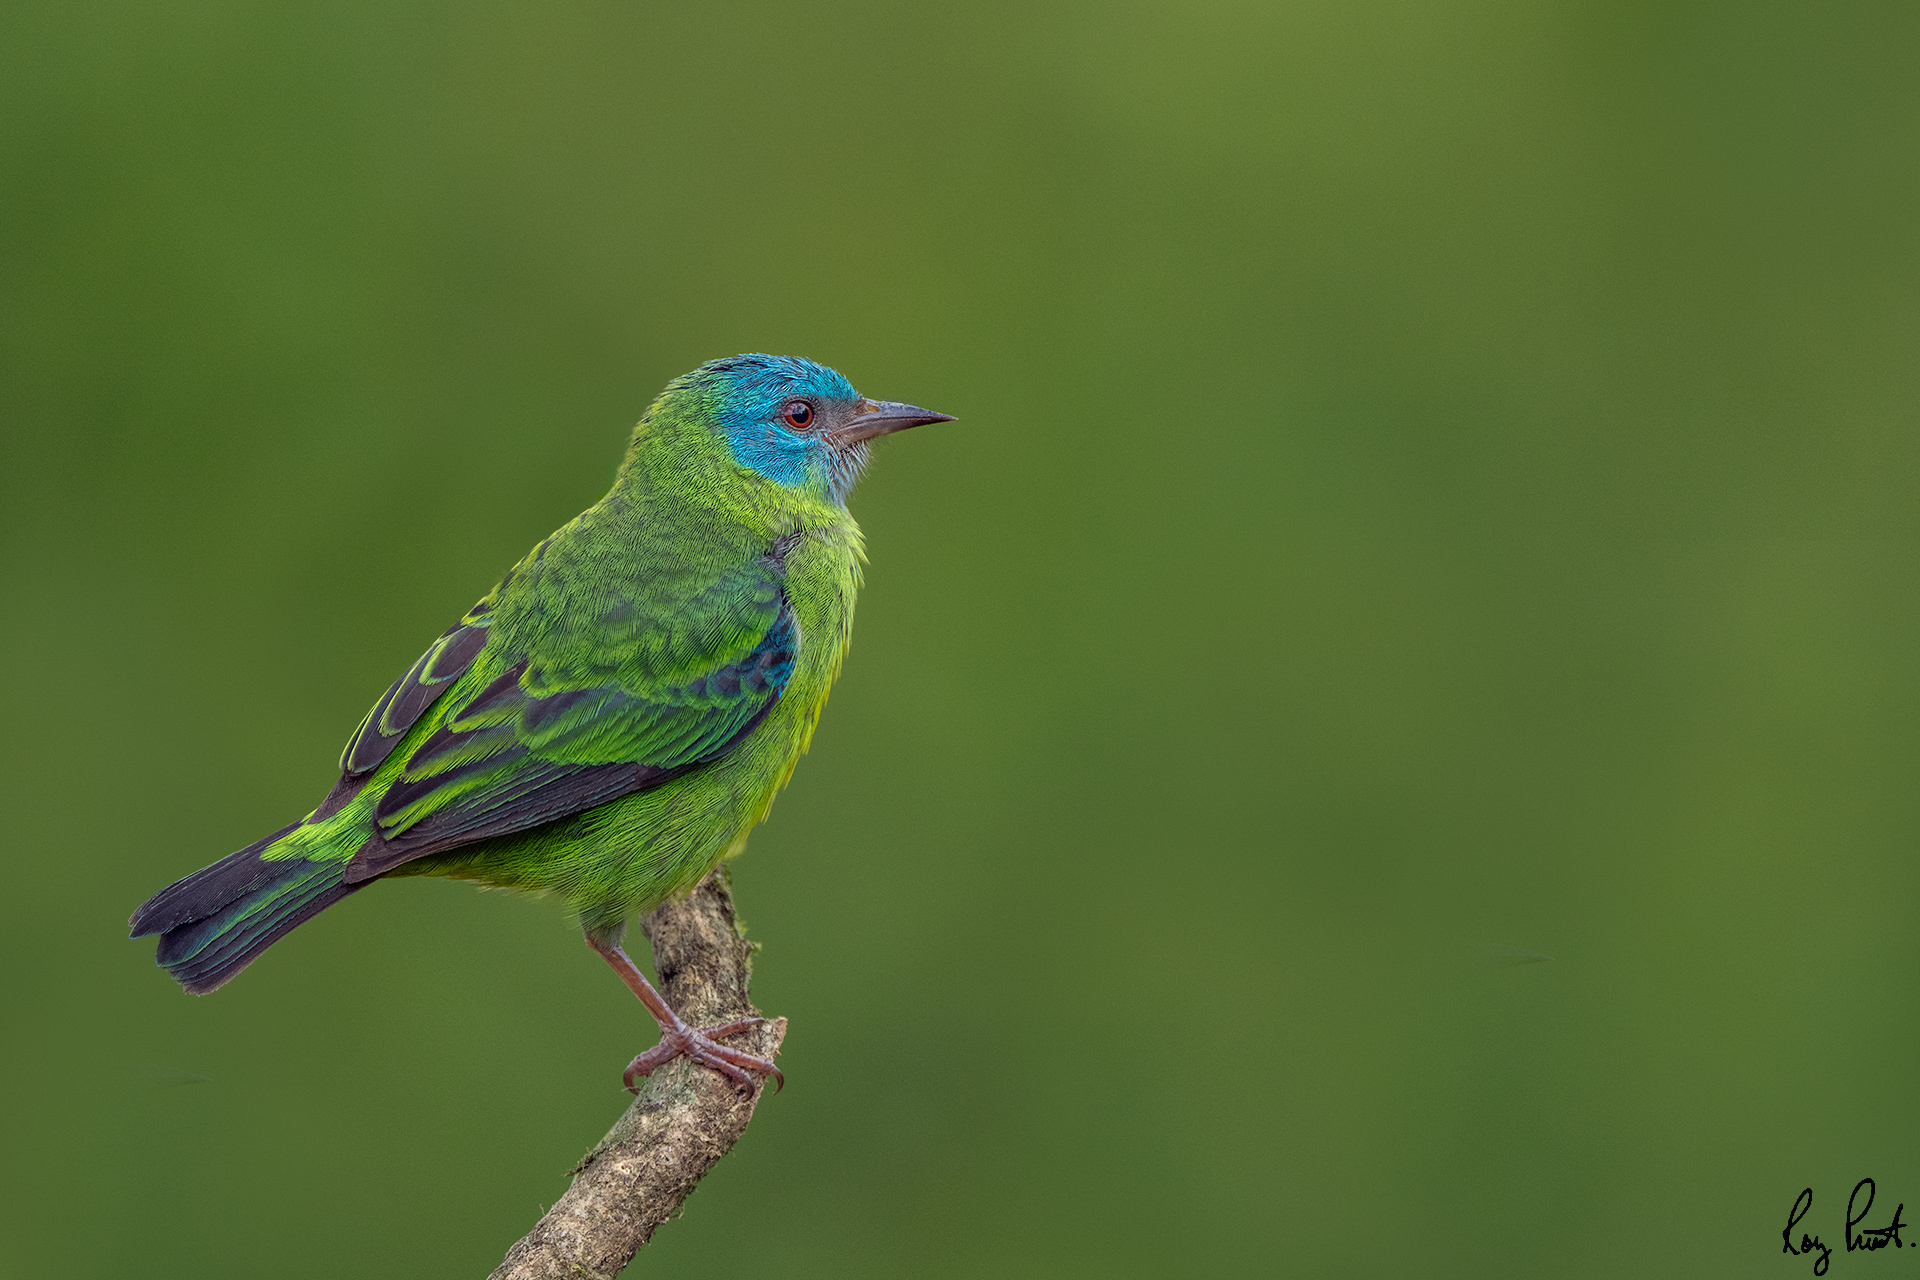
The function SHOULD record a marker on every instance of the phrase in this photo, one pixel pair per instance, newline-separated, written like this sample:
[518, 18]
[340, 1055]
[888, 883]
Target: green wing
[603, 701]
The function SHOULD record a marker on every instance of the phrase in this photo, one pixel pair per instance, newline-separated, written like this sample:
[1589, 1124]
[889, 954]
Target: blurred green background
[1430, 475]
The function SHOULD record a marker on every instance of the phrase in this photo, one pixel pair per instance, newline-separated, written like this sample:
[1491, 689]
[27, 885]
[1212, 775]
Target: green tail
[213, 923]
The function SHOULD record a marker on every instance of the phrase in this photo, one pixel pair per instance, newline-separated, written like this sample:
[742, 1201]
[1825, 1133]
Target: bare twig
[684, 1120]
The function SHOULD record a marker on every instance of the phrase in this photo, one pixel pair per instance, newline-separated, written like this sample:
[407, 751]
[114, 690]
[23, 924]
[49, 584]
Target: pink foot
[682, 1041]
[677, 1039]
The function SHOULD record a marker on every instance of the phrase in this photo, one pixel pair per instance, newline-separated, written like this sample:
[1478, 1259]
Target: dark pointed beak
[872, 418]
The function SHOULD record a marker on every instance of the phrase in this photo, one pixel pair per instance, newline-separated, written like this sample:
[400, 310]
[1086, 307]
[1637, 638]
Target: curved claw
[699, 1046]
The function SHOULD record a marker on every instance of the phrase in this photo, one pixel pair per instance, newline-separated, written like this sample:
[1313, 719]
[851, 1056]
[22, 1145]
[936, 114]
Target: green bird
[611, 721]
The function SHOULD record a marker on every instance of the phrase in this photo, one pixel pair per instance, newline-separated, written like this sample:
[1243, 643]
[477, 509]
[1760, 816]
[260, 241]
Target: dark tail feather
[217, 920]
[206, 890]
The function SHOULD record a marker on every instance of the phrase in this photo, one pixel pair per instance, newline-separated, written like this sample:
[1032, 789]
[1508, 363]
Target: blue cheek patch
[778, 454]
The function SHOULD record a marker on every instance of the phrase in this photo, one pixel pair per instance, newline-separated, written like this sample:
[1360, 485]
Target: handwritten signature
[1865, 1240]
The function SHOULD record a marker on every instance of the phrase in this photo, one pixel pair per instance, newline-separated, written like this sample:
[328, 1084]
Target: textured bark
[684, 1119]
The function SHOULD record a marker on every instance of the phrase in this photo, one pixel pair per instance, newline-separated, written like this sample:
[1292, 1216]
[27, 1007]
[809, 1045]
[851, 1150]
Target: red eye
[798, 413]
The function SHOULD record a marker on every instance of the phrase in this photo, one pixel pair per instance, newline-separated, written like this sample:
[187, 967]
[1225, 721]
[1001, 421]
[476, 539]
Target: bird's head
[794, 422]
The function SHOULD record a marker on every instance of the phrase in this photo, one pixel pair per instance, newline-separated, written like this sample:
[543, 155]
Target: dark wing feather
[553, 791]
[544, 741]
[445, 660]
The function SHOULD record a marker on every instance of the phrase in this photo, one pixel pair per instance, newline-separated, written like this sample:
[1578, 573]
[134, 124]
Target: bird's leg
[677, 1039]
